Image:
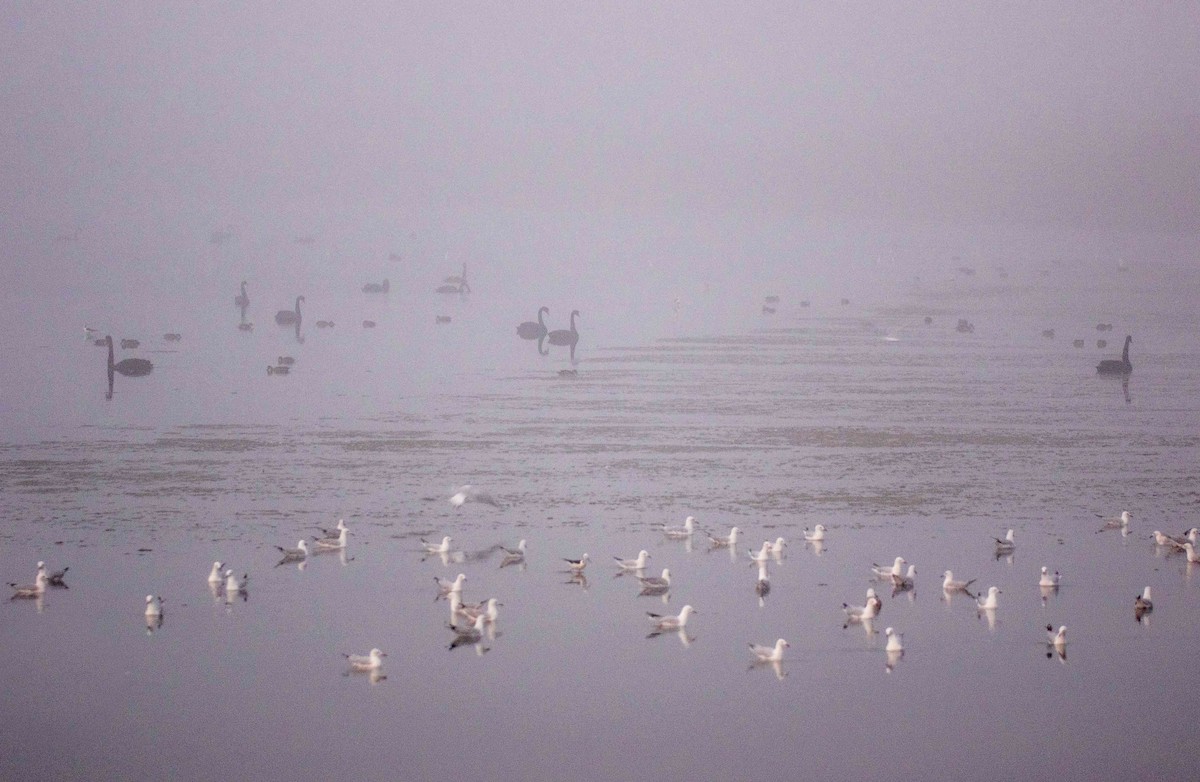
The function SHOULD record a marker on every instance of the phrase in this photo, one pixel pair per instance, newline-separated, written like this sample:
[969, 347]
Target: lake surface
[903, 439]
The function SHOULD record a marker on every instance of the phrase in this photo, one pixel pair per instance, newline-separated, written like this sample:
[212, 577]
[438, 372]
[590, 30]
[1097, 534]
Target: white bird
[1056, 639]
[689, 526]
[1143, 604]
[895, 641]
[990, 602]
[468, 635]
[333, 533]
[468, 493]
[633, 564]
[777, 546]
[36, 589]
[1005, 544]
[437, 548]
[907, 581]
[1121, 523]
[366, 662]
[864, 612]
[656, 582]
[769, 654]
[446, 587]
[333, 543]
[663, 623]
[577, 565]
[214, 575]
[153, 606]
[297, 554]
[818, 533]
[764, 553]
[885, 573]
[722, 541]
[1192, 554]
[233, 585]
[949, 584]
[1048, 580]
[513, 556]
[487, 609]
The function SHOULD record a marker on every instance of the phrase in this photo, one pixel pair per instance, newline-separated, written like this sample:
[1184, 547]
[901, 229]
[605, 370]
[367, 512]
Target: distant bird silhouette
[531, 330]
[130, 367]
[1112, 366]
[289, 317]
[375, 287]
[242, 300]
[566, 337]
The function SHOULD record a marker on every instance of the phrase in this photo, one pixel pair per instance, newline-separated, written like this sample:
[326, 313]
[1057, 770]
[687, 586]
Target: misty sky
[1074, 114]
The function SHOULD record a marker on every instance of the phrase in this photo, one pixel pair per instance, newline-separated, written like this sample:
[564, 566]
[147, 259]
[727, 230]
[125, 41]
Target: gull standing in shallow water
[769, 654]
[372, 661]
[633, 564]
[664, 623]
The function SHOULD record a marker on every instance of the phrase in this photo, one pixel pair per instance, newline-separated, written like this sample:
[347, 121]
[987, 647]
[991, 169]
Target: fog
[701, 138]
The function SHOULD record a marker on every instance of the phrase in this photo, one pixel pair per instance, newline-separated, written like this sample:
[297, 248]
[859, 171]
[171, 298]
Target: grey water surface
[903, 439]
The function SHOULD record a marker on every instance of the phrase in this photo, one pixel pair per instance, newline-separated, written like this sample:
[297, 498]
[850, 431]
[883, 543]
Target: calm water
[903, 439]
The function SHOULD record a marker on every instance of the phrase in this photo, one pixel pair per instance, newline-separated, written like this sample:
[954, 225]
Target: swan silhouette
[565, 337]
[1112, 366]
[129, 367]
[461, 287]
[288, 317]
[242, 300]
[531, 330]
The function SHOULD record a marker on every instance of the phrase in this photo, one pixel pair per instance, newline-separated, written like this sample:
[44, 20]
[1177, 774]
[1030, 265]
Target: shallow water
[924, 445]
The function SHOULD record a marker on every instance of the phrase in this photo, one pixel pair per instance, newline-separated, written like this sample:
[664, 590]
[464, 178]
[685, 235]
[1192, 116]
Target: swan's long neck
[298, 298]
[540, 322]
[1125, 352]
[110, 353]
[572, 321]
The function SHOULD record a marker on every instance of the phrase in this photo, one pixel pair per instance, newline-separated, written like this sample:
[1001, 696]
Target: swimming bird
[678, 533]
[664, 623]
[777, 546]
[57, 578]
[129, 367]
[234, 585]
[468, 635]
[371, 661]
[1048, 580]
[895, 641]
[333, 542]
[885, 573]
[437, 548]
[656, 582]
[289, 317]
[446, 587]
[36, 589]
[154, 606]
[487, 609]
[242, 300]
[990, 602]
[817, 534]
[1167, 541]
[949, 584]
[297, 554]
[531, 330]
[577, 565]
[905, 582]
[335, 531]
[1142, 603]
[566, 337]
[1112, 366]
[769, 654]
[513, 556]
[633, 564]
[1006, 544]
[468, 493]
[763, 555]
[214, 575]
[284, 370]
[1121, 522]
[1057, 639]
[725, 541]
[1193, 555]
[869, 610]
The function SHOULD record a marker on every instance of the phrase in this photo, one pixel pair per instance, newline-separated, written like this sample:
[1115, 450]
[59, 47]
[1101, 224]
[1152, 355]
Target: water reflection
[531, 330]
[893, 659]
[775, 666]
[566, 337]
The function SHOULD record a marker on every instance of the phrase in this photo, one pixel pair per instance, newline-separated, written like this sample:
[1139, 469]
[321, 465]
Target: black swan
[129, 367]
[242, 300]
[566, 336]
[1112, 366]
[531, 330]
[288, 317]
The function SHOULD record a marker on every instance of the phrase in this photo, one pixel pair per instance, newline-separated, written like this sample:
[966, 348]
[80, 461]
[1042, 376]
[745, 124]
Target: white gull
[769, 654]
[633, 564]
[662, 623]
[372, 661]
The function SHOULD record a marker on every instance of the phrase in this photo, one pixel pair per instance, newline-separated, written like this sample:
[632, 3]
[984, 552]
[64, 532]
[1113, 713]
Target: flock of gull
[474, 623]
